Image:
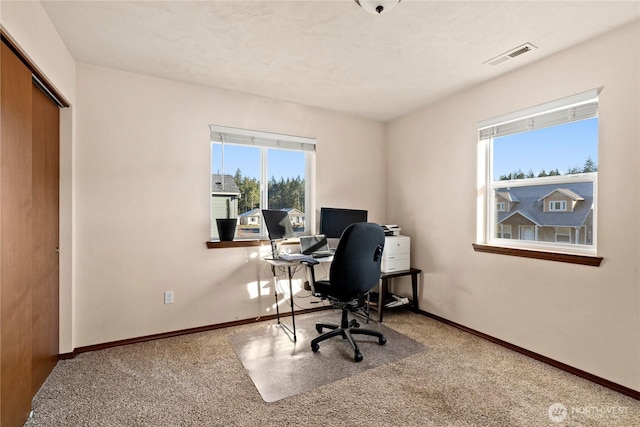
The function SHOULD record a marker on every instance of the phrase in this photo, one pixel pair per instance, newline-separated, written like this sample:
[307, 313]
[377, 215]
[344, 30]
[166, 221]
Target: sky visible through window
[281, 163]
[559, 147]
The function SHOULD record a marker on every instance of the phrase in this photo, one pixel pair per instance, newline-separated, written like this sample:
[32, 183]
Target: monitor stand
[274, 249]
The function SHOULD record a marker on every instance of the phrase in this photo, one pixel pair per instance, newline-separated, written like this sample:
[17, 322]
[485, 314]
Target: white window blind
[229, 135]
[570, 109]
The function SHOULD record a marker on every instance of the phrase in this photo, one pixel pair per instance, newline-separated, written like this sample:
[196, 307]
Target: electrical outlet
[168, 297]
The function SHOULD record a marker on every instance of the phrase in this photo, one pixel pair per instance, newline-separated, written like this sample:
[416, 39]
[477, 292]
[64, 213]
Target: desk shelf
[389, 298]
[384, 288]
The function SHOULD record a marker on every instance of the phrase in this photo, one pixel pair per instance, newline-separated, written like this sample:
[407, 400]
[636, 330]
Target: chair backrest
[356, 263]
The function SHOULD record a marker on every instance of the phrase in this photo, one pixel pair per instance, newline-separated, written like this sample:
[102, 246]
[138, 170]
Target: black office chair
[355, 270]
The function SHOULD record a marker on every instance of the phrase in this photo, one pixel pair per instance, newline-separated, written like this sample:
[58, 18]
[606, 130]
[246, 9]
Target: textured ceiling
[329, 54]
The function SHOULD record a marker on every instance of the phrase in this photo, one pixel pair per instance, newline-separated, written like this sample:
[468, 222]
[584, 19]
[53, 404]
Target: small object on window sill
[226, 228]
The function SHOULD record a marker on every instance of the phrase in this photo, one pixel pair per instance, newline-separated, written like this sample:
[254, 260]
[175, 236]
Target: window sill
[593, 261]
[217, 244]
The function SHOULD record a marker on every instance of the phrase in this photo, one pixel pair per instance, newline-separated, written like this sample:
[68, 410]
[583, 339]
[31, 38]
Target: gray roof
[293, 211]
[256, 211]
[252, 212]
[507, 196]
[520, 213]
[229, 186]
[531, 199]
[564, 191]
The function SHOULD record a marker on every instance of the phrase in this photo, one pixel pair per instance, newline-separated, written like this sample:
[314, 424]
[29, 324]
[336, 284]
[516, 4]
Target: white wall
[28, 25]
[142, 215]
[138, 154]
[583, 316]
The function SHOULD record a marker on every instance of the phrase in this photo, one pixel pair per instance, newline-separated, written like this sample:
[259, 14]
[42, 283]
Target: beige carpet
[280, 367]
[197, 380]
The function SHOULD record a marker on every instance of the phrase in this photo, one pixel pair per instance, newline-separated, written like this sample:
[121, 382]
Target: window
[558, 205]
[252, 170]
[563, 234]
[543, 160]
[504, 231]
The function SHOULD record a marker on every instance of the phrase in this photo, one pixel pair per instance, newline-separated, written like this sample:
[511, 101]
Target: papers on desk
[391, 230]
[295, 257]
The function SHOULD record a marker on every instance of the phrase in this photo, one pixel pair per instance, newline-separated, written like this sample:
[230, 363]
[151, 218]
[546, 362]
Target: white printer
[396, 254]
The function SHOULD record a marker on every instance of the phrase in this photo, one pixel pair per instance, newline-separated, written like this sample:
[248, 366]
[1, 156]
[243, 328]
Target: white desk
[290, 268]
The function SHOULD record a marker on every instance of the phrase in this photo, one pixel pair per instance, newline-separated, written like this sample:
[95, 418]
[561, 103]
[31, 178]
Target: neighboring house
[251, 217]
[296, 217]
[254, 217]
[549, 213]
[224, 193]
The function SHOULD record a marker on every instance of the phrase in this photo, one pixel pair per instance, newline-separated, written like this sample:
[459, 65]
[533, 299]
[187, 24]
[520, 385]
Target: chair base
[346, 330]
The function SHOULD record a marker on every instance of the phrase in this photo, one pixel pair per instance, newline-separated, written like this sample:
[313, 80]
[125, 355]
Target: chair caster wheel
[315, 347]
[358, 357]
[382, 341]
[319, 329]
[356, 325]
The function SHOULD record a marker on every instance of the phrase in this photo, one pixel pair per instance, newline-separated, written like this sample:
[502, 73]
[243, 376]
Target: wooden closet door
[45, 294]
[16, 261]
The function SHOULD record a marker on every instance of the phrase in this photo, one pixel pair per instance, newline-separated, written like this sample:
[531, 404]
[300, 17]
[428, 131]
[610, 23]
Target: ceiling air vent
[504, 57]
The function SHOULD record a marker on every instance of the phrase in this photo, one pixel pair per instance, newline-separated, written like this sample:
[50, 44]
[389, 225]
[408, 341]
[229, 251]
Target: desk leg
[293, 315]
[275, 292]
[381, 297]
[414, 289]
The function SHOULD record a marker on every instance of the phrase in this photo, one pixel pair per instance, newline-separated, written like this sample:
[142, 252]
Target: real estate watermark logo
[558, 412]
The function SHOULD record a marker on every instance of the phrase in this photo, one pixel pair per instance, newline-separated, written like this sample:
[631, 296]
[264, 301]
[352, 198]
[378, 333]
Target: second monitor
[333, 221]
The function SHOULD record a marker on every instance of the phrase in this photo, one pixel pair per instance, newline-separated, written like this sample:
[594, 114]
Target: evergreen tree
[513, 175]
[574, 170]
[249, 192]
[283, 194]
[590, 166]
[286, 193]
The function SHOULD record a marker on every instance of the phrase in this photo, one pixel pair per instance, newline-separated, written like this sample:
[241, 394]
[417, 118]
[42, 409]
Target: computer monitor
[278, 224]
[333, 221]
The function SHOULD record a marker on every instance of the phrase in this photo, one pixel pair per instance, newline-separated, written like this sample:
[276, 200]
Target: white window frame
[573, 108]
[500, 206]
[264, 141]
[562, 205]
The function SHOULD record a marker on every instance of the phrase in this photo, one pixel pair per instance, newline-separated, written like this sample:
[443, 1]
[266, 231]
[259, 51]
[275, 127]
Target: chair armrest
[310, 262]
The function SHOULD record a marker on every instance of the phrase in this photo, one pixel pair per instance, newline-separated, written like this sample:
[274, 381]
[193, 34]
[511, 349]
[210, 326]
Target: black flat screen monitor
[278, 224]
[333, 221]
